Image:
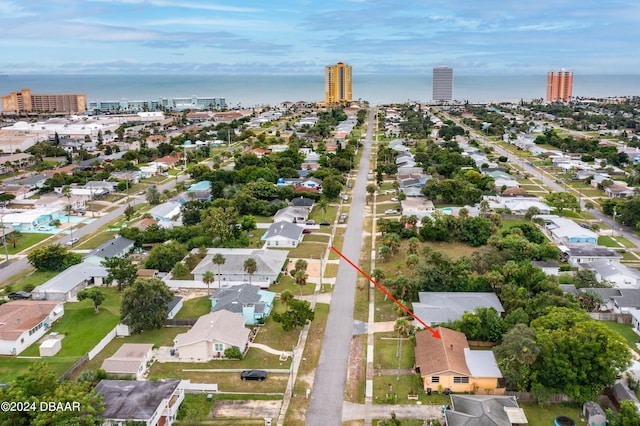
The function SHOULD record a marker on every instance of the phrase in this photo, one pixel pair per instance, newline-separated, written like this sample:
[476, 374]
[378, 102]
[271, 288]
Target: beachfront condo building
[442, 84]
[337, 84]
[25, 101]
[162, 104]
[559, 86]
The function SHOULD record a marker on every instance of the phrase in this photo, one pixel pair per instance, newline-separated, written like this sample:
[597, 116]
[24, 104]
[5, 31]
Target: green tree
[180, 271]
[208, 278]
[401, 327]
[371, 189]
[578, 355]
[153, 196]
[562, 200]
[218, 260]
[585, 278]
[285, 297]
[14, 237]
[145, 304]
[129, 211]
[94, 294]
[297, 315]
[250, 266]
[322, 205]
[164, 256]
[331, 187]
[52, 257]
[515, 355]
[121, 270]
[627, 415]
[220, 223]
[233, 353]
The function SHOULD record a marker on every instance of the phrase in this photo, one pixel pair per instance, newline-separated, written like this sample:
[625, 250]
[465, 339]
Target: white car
[72, 241]
[394, 199]
[391, 211]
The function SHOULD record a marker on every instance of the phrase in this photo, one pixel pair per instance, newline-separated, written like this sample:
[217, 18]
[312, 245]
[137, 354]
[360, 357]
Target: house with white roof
[577, 254]
[65, 286]
[283, 234]
[211, 335]
[129, 360]
[564, 230]
[614, 273]
[440, 307]
[270, 264]
[29, 220]
[167, 214]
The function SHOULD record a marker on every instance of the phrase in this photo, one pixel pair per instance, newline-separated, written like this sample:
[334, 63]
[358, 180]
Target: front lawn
[625, 331]
[386, 349]
[29, 278]
[388, 389]
[25, 241]
[607, 241]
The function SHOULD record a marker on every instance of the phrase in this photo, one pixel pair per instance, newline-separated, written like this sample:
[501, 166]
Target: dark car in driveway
[19, 295]
[259, 375]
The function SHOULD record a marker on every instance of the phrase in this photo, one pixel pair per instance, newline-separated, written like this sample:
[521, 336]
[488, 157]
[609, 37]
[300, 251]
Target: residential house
[31, 182]
[167, 162]
[174, 306]
[132, 177]
[247, 300]
[551, 268]
[567, 231]
[19, 192]
[291, 214]
[618, 300]
[130, 360]
[270, 264]
[619, 190]
[439, 307]
[211, 335]
[576, 254]
[167, 214]
[448, 363]
[23, 322]
[65, 286]
[115, 247]
[303, 202]
[613, 273]
[283, 234]
[29, 220]
[152, 403]
[12, 162]
[485, 410]
[418, 206]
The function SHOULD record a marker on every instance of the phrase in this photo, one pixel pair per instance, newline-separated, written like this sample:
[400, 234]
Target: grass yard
[195, 408]
[625, 331]
[11, 367]
[27, 240]
[543, 416]
[329, 214]
[226, 381]
[194, 308]
[453, 250]
[272, 334]
[95, 240]
[306, 250]
[386, 349]
[625, 242]
[28, 278]
[387, 389]
[338, 240]
[82, 327]
[286, 283]
[607, 241]
[316, 237]
[385, 310]
[330, 270]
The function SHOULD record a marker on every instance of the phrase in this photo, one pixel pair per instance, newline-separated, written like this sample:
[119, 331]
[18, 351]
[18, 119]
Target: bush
[233, 353]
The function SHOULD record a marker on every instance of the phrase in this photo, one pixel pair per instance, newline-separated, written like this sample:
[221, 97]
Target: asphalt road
[19, 265]
[327, 397]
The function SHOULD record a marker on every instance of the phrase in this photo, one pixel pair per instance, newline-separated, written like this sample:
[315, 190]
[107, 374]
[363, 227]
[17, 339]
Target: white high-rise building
[442, 84]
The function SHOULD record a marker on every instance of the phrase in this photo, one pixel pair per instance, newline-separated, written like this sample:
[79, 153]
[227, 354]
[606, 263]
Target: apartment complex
[442, 86]
[337, 84]
[559, 86]
[167, 104]
[25, 101]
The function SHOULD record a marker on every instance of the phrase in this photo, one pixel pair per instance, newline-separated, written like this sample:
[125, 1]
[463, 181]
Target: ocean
[255, 90]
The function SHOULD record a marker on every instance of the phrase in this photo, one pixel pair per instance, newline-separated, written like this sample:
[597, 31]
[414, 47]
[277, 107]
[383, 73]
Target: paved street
[327, 396]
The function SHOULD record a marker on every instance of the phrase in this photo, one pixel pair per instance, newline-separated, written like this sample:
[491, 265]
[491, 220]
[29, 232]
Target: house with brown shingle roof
[22, 322]
[448, 363]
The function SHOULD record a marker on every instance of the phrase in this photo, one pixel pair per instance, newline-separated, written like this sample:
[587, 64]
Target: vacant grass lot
[95, 240]
[25, 241]
[386, 349]
[543, 416]
[387, 389]
[286, 283]
[306, 250]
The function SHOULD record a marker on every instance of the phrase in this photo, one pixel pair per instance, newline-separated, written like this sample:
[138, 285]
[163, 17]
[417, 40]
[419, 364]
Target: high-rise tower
[337, 86]
[559, 86]
[442, 84]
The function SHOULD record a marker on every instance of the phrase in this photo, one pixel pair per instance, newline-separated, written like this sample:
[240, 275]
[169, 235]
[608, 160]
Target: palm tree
[323, 204]
[285, 297]
[250, 267]
[218, 259]
[66, 192]
[300, 278]
[208, 278]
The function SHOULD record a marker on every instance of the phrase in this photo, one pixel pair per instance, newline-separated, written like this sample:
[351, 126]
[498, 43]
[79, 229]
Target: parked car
[394, 199]
[72, 241]
[585, 225]
[19, 295]
[306, 231]
[259, 375]
[325, 223]
[391, 211]
[311, 222]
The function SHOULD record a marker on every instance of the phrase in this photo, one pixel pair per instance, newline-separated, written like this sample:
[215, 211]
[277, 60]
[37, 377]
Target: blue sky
[475, 37]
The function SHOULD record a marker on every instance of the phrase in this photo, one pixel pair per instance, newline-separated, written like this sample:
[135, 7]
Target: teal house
[247, 300]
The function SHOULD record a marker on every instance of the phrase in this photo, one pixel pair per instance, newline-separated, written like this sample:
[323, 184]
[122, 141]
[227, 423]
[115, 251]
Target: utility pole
[4, 238]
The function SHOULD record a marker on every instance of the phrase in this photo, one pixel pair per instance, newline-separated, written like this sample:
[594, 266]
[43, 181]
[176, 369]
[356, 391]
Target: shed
[594, 414]
[50, 347]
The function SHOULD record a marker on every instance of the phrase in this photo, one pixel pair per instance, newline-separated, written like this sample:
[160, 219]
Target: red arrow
[435, 333]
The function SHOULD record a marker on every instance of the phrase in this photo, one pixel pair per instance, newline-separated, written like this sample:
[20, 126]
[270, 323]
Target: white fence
[104, 342]
[198, 387]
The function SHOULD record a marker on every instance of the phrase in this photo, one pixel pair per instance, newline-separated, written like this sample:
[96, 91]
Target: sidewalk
[352, 411]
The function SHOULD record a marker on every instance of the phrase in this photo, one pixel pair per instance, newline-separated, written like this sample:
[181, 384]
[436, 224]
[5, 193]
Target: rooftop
[134, 400]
